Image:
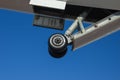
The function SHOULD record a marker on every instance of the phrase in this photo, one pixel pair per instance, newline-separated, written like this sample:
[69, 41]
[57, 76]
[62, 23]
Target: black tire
[57, 45]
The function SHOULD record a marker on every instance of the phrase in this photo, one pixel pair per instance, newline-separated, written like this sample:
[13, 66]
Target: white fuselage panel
[49, 3]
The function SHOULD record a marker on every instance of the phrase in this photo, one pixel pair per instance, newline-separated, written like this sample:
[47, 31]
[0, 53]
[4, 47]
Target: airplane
[104, 15]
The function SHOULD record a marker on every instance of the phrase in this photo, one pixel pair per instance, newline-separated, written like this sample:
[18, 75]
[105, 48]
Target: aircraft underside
[104, 16]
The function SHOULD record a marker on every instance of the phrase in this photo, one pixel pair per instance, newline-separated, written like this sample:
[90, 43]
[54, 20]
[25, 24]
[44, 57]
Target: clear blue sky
[24, 55]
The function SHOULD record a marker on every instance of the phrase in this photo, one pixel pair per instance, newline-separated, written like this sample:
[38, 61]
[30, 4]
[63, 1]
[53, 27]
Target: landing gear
[57, 45]
[58, 42]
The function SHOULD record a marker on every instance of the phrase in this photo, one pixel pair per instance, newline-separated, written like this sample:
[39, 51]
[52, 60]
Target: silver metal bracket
[77, 24]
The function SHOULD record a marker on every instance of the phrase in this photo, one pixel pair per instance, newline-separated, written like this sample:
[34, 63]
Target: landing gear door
[50, 13]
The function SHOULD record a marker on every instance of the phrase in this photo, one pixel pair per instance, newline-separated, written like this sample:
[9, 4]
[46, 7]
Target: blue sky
[24, 53]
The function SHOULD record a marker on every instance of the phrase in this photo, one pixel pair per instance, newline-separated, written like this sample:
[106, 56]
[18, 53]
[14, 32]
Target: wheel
[57, 45]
